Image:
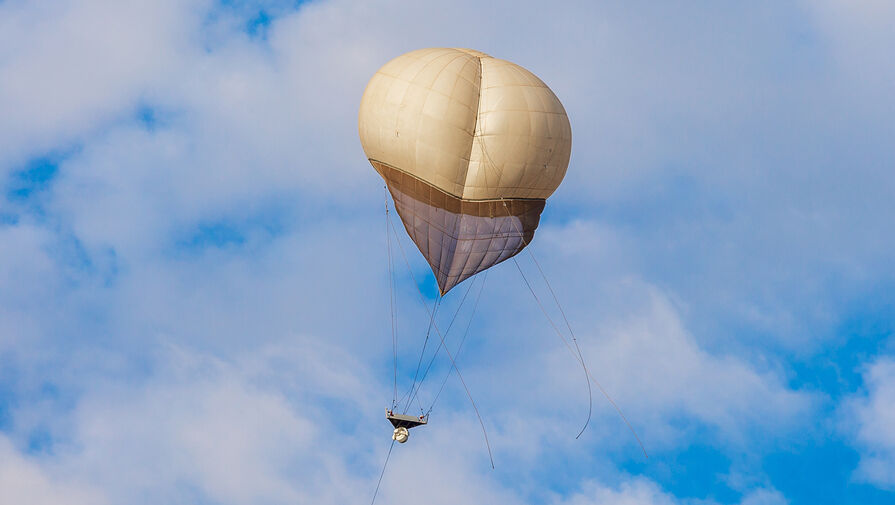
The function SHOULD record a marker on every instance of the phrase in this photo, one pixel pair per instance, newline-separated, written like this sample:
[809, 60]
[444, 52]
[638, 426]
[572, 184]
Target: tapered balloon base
[460, 238]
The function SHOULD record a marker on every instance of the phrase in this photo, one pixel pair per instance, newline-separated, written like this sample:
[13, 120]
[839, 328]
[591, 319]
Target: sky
[194, 301]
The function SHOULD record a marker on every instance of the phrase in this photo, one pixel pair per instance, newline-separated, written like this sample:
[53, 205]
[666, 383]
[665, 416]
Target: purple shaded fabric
[460, 238]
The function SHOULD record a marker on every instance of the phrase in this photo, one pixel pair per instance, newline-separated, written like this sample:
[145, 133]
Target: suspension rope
[407, 394]
[446, 333]
[446, 350]
[590, 406]
[423, 351]
[590, 377]
[580, 357]
[558, 333]
[460, 346]
[391, 300]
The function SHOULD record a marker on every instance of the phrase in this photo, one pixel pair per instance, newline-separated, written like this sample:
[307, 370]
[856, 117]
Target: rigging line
[446, 350]
[418, 404]
[391, 293]
[398, 402]
[425, 343]
[559, 333]
[387, 456]
[422, 352]
[587, 376]
[592, 378]
[459, 347]
[580, 356]
[446, 332]
[625, 419]
[590, 406]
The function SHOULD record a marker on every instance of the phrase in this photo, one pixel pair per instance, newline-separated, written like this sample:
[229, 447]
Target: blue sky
[193, 280]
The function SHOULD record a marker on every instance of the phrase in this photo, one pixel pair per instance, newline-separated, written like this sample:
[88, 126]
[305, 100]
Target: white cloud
[871, 419]
[632, 492]
[23, 480]
[70, 68]
[659, 370]
[204, 430]
[641, 491]
[670, 387]
[673, 384]
[283, 424]
[860, 35]
[30, 275]
[218, 433]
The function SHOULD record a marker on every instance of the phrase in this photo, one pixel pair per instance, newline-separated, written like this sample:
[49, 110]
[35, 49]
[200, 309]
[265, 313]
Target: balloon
[470, 147]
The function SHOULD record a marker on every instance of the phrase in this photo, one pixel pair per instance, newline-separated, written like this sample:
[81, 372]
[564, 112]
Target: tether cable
[381, 474]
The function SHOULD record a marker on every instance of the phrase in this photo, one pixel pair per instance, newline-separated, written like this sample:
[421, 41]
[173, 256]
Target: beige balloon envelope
[470, 147]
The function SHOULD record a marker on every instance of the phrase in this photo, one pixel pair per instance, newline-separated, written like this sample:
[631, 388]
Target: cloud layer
[193, 290]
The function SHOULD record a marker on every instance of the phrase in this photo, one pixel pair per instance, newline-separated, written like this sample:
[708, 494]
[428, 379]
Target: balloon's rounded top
[473, 126]
[473, 52]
